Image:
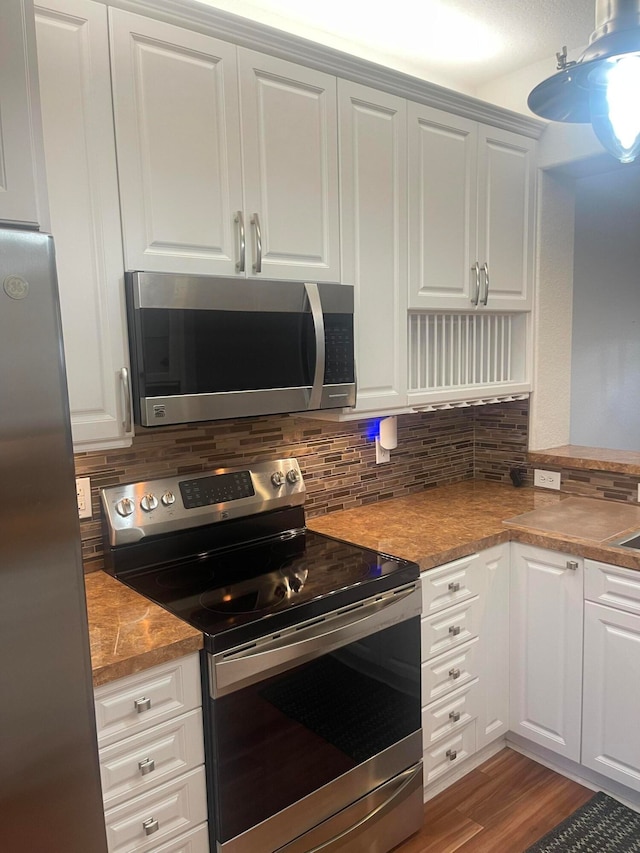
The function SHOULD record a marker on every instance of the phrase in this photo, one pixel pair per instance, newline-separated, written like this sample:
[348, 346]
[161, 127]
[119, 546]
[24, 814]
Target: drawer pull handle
[572, 565]
[142, 704]
[454, 586]
[454, 716]
[150, 825]
[454, 630]
[454, 673]
[452, 754]
[146, 766]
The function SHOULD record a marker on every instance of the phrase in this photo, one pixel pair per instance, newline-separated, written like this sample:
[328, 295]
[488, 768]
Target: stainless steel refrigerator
[50, 798]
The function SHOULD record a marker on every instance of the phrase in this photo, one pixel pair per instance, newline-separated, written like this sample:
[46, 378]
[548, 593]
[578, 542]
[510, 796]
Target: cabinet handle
[451, 754]
[454, 716]
[146, 766]
[255, 221]
[572, 565]
[150, 825]
[476, 268]
[126, 393]
[485, 270]
[239, 220]
[454, 630]
[142, 704]
[454, 586]
[454, 673]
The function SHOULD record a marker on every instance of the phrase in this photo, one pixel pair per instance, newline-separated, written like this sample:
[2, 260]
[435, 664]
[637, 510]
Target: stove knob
[125, 507]
[149, 502]
[293, 476]
[168, 499]
[277, 478]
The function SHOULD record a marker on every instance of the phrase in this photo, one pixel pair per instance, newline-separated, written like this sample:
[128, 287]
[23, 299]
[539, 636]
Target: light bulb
[614, 99]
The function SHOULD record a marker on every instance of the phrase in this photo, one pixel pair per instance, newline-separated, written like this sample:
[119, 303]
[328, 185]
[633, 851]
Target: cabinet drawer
[449, 584]
[175, 807]
[612, 585]
[449, 753]
[450, 714]
[138, 763]
[449, 628]
[147, 698]
[196, 841]
[449, 671]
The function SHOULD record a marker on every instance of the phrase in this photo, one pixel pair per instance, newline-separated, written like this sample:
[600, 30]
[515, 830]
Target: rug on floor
[601, 825]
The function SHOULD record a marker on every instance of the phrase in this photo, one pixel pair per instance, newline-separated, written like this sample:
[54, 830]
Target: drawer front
[447, 716]
[449, 753]
[449, 671]
[145, 822]
[138, 763]
[451, 583]
[450, 628]
[196, 841]
[612, 586]
[147, 698]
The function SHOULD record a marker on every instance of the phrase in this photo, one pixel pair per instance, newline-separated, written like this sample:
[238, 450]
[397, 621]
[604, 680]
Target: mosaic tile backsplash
[337, 459]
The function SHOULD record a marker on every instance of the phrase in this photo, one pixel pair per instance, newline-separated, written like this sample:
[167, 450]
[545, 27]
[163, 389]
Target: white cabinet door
[610, 735]
[546, 648]
[290, 167]
[21, 177]
[493, 653]
[374, 238]
[442, 214]
[506, 209]
[81, 168]
[178, 139]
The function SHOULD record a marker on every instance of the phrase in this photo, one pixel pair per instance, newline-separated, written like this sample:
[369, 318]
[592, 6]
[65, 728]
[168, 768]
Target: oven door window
[283, 738]
[186, 351]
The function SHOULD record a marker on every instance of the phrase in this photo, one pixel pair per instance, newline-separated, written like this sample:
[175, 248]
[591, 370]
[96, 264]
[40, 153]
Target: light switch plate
[83, 493]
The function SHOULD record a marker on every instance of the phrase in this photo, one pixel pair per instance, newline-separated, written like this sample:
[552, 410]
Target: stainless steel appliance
[50, 798]
[207, 348]
[311, 666]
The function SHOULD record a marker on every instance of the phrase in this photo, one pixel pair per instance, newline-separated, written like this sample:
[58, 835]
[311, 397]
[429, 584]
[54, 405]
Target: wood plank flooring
[503, 806]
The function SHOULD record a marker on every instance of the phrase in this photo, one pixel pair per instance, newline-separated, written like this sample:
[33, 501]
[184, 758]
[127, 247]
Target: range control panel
[137, 510]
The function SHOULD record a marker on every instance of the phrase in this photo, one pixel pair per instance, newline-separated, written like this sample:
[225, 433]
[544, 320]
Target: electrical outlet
[638, 492]
[382, 454]
[83, 494]
[546, 479]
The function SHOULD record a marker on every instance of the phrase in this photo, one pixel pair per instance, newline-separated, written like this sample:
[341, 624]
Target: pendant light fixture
[603, 86]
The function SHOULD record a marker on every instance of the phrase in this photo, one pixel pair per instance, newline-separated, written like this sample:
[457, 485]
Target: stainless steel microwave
[209, 348]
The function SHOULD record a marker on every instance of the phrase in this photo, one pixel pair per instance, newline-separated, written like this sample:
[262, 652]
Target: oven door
[315, 732]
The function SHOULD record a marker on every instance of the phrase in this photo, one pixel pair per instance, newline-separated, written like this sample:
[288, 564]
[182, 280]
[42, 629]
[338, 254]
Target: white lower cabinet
[610, 734]
[465, 658]
[546, 648]
[150, 740]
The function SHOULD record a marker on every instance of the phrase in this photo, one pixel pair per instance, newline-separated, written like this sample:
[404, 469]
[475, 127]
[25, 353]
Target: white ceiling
[463, 44]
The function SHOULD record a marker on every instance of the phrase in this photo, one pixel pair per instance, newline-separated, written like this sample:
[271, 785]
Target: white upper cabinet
[175, 98]
[290, 167]
[374, 242]
[471, 214]
[73, 58]
[197, 199]
[22, 194]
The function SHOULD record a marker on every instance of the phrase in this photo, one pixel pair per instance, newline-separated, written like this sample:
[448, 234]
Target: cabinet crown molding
[247, 33]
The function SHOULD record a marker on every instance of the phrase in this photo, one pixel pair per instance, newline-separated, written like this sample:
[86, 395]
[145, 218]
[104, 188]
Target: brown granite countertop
[128, 633]
[448, 522]
[588, 458]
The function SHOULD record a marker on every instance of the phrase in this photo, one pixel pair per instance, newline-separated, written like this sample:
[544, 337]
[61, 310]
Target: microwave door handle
[313, 295]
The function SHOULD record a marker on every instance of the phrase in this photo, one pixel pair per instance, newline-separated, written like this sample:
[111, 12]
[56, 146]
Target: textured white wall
[550, 401]
[605, 389]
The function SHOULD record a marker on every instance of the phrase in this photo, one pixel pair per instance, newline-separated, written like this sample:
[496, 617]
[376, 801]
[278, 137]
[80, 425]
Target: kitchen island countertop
[128, 633]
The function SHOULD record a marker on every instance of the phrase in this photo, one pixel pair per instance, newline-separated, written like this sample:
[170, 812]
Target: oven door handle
[231, 671]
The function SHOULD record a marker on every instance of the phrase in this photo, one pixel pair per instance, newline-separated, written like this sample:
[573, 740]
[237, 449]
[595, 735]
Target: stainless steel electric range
[311, 660]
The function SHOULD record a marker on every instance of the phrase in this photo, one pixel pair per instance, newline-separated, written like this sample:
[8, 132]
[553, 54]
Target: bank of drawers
[449, 632]
[150, 742]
